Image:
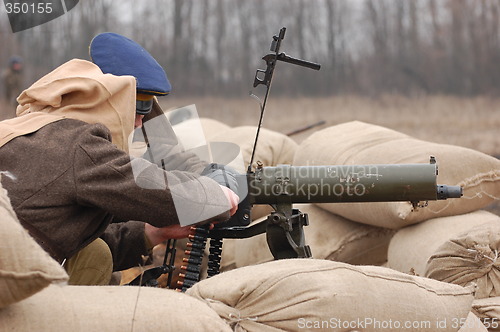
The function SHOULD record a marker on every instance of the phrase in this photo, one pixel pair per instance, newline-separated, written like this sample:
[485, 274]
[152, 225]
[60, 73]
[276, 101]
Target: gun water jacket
[68, 175]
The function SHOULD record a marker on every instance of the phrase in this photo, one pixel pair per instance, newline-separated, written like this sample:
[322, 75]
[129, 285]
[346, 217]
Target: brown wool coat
[67, 194]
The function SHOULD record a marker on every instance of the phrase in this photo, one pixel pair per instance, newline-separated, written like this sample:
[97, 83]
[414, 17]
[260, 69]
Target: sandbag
[228, 258]
[25, 268]
[298, 294]
[191, 134]
[471, 324]
[198, 131]
[470, 258]
[358, 143]
[411, 247]
[273, 148]
[488, 310]
[329, 236]
[110, 308]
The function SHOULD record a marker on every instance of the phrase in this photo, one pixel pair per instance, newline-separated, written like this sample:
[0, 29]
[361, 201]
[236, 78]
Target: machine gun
[284, 185]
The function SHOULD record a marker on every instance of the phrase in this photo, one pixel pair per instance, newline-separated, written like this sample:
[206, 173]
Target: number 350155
[28, 8]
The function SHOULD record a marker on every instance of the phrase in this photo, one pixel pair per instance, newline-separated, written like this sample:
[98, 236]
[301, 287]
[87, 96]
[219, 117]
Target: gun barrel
[347, 183]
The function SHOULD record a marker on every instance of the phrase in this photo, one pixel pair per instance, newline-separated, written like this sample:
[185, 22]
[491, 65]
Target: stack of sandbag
[358, 143]
[34, 295]
[311, 294]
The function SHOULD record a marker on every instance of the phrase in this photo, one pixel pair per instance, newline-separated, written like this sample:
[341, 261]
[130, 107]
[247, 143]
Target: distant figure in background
[12, 78]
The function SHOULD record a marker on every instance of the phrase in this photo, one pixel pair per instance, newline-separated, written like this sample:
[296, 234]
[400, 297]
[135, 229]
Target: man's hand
[159, 235]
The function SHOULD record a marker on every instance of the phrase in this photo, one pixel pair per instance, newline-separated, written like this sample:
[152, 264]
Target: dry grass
[468, 122]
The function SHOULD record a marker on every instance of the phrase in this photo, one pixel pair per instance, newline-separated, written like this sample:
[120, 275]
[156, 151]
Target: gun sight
[286, 58]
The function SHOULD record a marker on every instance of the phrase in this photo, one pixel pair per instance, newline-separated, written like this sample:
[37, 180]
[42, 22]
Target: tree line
[213, 47]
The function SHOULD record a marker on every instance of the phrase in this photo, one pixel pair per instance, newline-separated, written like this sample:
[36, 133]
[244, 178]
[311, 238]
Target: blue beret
[15, 59]
[118, 55]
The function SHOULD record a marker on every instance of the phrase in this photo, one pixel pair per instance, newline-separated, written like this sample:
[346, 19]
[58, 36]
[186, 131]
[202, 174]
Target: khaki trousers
[92, 265]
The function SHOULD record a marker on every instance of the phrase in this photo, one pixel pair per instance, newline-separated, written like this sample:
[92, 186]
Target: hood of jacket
[76, 90]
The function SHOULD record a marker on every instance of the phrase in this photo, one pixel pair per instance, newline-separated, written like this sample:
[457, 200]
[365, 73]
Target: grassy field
[468, 122]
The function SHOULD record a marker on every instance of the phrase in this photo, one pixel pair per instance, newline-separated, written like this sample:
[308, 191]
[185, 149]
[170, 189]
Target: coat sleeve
[173, 157]
[135, 189]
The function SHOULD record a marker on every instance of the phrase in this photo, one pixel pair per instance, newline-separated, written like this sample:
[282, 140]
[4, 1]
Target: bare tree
[368, 46]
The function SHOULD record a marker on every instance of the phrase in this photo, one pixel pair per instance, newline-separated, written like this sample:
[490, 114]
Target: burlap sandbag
[470, 258]
[488, 310]
[330, 237]
[210, 127]
[196, 132]
[110, 308]
[358, 143]
[298, 294]
[411, 247]
[273, 147]
[228, 258]
[471, 324]
[25, 268]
